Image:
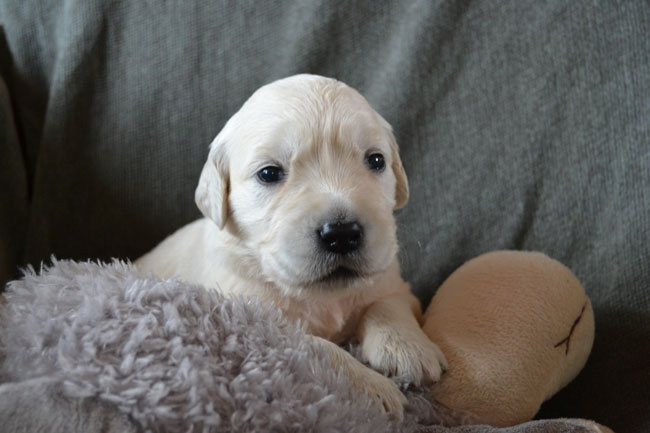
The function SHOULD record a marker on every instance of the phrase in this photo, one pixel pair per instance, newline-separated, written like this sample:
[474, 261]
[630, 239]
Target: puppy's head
[306, 176]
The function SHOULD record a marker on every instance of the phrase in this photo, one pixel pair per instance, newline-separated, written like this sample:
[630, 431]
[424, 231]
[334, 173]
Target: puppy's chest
[336, 321]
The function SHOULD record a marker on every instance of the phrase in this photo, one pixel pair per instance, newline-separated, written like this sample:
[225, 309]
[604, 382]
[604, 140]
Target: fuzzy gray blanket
[92, 347]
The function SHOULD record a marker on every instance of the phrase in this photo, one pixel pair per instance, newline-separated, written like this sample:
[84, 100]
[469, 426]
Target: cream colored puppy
[298, 192]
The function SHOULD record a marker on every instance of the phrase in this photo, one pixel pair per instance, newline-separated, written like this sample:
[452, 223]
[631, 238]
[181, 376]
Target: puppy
[298, 195]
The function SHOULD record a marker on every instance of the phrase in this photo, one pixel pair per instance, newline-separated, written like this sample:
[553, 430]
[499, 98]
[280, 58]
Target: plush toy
[515, 327]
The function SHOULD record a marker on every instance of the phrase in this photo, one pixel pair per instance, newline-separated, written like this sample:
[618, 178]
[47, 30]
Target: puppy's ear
[402, 185]
[211, 194]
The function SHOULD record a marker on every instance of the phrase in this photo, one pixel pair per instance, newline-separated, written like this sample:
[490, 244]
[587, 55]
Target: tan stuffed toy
[515, 327]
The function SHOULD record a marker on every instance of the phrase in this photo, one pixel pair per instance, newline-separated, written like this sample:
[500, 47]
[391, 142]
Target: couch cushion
[522, 125]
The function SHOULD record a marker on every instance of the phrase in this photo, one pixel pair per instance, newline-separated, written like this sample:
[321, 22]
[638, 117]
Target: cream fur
[259, 240]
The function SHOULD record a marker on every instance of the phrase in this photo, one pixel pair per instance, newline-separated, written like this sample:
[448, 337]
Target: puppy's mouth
[340, 275]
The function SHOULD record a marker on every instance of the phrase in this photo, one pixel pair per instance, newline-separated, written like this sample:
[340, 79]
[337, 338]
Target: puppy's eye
[270, 174]
[376, 161]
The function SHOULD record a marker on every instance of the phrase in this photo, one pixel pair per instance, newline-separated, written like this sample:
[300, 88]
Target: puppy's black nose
[340, 238]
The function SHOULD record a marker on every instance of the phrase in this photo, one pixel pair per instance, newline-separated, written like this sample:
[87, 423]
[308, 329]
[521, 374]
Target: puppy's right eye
[270, 174]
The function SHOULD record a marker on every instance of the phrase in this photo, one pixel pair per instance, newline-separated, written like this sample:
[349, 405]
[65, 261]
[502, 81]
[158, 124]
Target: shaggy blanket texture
[93, 347]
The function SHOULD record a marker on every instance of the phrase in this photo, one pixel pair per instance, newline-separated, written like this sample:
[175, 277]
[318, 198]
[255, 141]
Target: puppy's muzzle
[341, 238]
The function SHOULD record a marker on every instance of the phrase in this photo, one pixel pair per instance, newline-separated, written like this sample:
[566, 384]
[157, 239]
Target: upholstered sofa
[522, 125]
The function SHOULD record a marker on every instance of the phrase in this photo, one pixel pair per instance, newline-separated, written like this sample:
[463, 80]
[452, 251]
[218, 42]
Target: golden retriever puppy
[298, 192]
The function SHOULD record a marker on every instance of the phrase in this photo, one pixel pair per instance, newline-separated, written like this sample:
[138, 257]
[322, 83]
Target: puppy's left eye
[270, 174]
[376, 162]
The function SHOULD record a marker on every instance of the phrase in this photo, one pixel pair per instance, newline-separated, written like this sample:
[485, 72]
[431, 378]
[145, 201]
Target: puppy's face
[306, 176]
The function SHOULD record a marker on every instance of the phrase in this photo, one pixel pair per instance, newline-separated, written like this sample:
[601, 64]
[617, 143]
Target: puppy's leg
[393, 342]
[363, 379]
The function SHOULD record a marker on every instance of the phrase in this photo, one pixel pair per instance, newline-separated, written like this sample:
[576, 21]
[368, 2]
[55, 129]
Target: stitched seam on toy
[567, 339]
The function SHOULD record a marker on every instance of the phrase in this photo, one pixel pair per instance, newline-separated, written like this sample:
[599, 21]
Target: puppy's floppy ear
[211, 194]
[402, 185]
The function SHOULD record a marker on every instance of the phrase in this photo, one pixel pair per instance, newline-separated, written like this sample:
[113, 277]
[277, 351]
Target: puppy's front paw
[383, 391]
[408, 354]
[364, 380]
